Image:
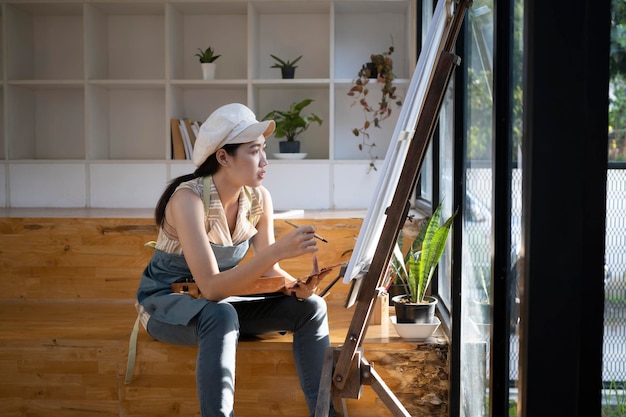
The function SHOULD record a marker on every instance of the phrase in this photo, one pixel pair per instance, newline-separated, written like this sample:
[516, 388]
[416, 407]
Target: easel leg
[339, 404]
[326, 390]
[381, 389]
[366, 376]
[326, 384]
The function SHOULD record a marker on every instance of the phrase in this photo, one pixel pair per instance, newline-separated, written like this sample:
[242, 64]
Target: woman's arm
[265, 238]
[185, 212]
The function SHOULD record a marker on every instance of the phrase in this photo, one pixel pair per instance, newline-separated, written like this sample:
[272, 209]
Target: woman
[206, 221]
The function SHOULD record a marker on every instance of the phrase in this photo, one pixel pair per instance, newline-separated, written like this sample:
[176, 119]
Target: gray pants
[216, 330]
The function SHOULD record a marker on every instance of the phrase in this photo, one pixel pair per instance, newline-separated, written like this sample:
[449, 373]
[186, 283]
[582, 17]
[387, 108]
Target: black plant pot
[371, 68]
[289, 146]
[407, 312]
[395, 289]
[288, 73]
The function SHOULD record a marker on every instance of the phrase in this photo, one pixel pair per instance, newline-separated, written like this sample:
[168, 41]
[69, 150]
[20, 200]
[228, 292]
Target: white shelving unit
[88, 89]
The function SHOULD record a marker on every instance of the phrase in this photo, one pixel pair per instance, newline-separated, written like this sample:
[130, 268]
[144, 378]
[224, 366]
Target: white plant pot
[208, 71]
[415, 331]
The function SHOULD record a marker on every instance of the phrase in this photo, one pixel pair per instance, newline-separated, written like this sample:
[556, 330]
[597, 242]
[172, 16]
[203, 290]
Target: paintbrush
[314, 235]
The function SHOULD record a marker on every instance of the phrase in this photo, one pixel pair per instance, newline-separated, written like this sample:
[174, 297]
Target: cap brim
[253, 131]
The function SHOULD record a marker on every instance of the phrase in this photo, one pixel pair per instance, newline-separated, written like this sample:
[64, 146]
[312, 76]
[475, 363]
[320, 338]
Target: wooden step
[102, 259]
[69, 359]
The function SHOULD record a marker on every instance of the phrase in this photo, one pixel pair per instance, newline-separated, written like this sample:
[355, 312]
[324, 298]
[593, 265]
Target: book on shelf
[196, 127]
[190, 132]
[178, 147]
[186, 139]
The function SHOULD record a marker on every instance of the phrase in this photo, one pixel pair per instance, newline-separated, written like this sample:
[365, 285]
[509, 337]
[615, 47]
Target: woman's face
[249, 162]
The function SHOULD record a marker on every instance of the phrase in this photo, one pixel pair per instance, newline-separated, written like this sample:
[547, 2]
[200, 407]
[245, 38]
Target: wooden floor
[67, 311]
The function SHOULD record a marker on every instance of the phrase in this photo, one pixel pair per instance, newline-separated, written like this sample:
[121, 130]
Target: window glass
[617, 83]
[446, 184]
[614, 348]
[425, 191]
[477, 219]
[516, 196]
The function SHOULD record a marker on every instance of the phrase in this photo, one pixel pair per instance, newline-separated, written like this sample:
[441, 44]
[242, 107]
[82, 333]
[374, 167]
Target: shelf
[88, 88]
[359, 33]
[44, 41]
[293, 83]
[316, 140]
[127, 123]
[290, 30]
[2, 130]
[196, 83]
[120, 84]
[45, 123]
[49, 84]
[195, 101]
[220, 25]
[125, 40]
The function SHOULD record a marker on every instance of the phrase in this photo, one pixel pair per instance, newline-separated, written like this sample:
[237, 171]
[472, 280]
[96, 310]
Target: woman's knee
[221, 317]
[313, 317]
[318, 305]
[313, 309]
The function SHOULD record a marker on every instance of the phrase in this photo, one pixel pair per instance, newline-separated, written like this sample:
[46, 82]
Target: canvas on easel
[345, 369]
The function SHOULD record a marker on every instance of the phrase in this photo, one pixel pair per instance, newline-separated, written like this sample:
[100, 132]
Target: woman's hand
[297, 242]
[305, 287]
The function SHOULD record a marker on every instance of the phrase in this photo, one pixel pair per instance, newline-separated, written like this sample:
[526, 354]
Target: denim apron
[155, 293]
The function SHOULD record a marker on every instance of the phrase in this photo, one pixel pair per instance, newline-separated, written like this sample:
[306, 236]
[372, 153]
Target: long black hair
[208, 167]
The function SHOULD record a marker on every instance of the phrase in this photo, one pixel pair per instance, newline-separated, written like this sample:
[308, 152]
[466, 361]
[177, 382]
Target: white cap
[232, 123]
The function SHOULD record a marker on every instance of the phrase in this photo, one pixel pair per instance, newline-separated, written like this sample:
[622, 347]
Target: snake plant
[418, 266]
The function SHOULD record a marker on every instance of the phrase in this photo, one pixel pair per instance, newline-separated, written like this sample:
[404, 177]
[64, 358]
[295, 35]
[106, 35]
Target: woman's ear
[222, 157]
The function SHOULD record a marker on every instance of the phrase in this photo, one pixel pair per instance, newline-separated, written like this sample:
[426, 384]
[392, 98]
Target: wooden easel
[345, 369]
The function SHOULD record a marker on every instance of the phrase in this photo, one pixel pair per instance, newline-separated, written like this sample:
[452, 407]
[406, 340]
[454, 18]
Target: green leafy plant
[417, 267]
[374, 115]
[285, 64]
[290, 123]
[614, 400]
[207, 56]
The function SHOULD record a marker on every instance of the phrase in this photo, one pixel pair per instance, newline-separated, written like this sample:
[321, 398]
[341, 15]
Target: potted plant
[381, 69]
[417, 269]
[395, 285]
[287, 68]
[290, 124]
[207, 59]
